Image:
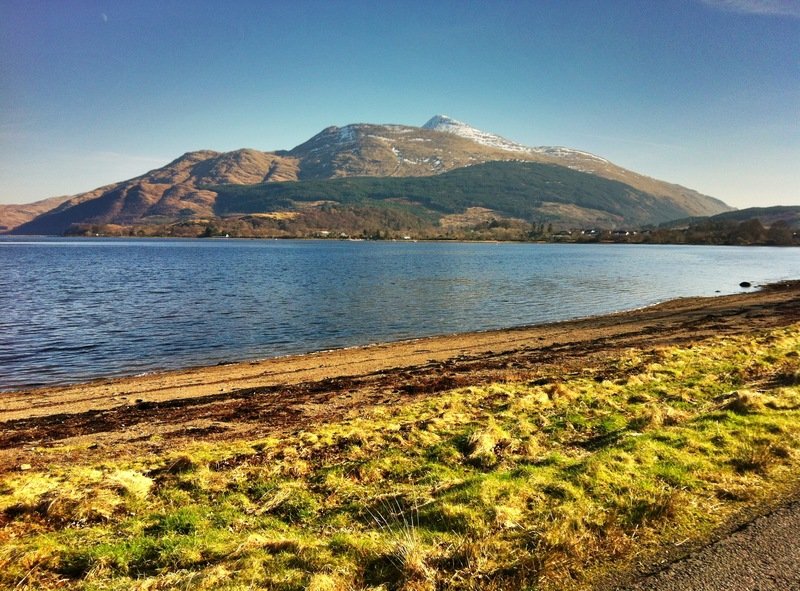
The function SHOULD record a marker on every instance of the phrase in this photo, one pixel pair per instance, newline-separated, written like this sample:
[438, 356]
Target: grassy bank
[540, 484]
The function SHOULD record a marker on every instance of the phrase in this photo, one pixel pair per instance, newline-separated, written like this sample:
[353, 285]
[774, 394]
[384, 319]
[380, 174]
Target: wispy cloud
[789, 8]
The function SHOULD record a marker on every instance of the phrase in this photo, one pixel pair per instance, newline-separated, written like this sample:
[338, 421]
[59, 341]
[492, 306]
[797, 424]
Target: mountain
[12, 216]
[189, 187]
[174, 191]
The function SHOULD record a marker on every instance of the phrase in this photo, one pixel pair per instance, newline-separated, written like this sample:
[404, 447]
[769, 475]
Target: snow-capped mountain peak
[444, 123]
[447, 124]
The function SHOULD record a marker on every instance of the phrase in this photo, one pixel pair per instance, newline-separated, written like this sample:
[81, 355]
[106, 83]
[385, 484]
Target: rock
[24, 467]
[745, 284]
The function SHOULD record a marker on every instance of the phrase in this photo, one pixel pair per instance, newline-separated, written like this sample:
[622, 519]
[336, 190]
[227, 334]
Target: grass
[506, 486]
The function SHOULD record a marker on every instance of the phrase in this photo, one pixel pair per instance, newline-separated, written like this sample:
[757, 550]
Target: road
[764, 555]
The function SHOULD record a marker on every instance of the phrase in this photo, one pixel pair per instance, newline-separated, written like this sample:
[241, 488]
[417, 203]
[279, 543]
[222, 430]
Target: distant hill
[12, 216]
[189, 188]
[767, 226]
[766, 215]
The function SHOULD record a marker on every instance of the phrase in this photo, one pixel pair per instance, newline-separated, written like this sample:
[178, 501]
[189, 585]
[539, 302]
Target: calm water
[77, 309]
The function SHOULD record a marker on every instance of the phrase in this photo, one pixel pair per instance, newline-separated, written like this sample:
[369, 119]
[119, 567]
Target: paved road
[762, 556]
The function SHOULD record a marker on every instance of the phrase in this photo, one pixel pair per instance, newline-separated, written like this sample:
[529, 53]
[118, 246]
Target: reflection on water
[83, 308]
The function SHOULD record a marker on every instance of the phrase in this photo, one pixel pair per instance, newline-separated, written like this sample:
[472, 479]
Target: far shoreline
[554, 240]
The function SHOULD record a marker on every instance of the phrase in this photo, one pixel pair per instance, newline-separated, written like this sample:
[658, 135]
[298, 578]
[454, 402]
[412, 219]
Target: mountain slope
[388, 150]
[529, 191]
[182, 189]
[172, 192]
[684, 198]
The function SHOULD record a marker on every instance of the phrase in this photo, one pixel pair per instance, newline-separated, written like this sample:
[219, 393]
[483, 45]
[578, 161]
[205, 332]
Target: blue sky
[705, 93]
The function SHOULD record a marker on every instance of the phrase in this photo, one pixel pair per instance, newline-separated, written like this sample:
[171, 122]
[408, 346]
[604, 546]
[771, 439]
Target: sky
[703, 93]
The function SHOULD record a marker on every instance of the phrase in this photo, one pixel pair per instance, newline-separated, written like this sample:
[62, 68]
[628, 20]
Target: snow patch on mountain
[447, 124]
[563, 152]
[347, 134]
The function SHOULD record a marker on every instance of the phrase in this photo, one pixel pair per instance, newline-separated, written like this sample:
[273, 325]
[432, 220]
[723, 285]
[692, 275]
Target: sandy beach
[255, 399]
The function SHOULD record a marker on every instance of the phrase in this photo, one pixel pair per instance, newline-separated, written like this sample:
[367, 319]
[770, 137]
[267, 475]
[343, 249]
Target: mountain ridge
[183, 189]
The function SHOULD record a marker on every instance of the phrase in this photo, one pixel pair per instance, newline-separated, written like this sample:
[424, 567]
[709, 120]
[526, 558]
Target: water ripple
[80, 309]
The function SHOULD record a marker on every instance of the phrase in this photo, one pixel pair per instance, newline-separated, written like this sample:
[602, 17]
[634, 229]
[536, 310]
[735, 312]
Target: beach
[260, 398]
